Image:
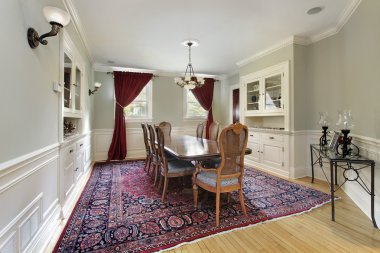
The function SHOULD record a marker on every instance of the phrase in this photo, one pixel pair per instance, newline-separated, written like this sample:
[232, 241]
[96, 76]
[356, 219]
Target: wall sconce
[57, 18]
[97, 86]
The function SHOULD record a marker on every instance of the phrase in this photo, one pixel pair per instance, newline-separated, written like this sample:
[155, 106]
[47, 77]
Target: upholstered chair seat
[209, 178]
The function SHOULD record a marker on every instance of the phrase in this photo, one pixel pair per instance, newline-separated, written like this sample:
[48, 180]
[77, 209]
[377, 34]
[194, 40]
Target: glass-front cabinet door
[78, 86]
[253, 96]
[273, 92]
[73, 86]
[265, 92]
[67, 77]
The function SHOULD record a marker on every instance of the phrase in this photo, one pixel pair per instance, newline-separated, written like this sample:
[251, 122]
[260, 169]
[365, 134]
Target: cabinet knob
[76, 169]
[271, 137]
[251, 135]
[71, 150]
[81, 145]
[261, 152]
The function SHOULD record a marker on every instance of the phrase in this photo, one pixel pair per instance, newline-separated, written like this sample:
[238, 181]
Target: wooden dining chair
[153, 169]
[170, 168]
[214, 131]
[166, 128]
[200, 128]
[228, 176]
[148, 152]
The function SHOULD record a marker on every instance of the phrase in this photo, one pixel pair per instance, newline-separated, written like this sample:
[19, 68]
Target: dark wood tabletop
[186, 147]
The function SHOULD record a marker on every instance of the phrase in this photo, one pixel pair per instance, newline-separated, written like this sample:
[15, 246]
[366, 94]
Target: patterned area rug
[121, 211]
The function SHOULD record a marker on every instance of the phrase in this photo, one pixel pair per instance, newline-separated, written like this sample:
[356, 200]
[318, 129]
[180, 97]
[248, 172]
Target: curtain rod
[156, 76]
[111, 73]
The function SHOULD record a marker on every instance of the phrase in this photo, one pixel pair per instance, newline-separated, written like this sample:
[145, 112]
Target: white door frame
[232, 88]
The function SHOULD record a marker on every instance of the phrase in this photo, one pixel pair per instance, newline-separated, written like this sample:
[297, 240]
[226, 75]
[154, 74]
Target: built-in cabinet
[269, 150]
[75, 148]
[265, 92]
[75, 160]
[264, 97]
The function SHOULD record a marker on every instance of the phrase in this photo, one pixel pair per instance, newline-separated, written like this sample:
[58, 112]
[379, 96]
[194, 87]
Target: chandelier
[189, 80]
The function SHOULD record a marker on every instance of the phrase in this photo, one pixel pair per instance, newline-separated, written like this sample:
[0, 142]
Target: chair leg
[195, 193]
[165, 189]
[160, 184]
[156, 173]
[241, 197]
[146, 162]
[217, 207]
[150, 164]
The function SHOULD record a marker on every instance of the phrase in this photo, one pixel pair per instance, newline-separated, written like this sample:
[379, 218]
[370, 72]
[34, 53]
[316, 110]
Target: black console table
[324, 155]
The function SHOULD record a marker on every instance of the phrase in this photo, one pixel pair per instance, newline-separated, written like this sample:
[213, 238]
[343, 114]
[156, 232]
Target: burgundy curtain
[127, 87]
[205, 95]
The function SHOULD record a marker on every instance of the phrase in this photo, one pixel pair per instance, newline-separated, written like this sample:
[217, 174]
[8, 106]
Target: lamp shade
[97, 85]
[56, 15]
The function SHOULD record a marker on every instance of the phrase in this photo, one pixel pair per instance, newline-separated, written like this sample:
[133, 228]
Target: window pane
[195, 110]
[191, 97]
[136, 110]
[141, 96]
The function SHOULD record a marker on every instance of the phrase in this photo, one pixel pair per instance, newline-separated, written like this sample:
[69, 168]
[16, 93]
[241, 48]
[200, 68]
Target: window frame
[185, 106]
[149, 102]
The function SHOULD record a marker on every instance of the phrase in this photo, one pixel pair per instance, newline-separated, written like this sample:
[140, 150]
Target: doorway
[235, 106]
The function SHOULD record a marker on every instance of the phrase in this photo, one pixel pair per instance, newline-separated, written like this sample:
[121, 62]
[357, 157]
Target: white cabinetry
[269, 151]
[75, 159]
[73, 79]
[265, 92]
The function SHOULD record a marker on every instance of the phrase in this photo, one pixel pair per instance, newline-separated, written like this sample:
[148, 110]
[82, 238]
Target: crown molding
[284, 43]
[78, 26]
[346, 15]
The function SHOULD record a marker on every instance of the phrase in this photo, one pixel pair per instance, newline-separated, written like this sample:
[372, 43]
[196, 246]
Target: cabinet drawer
[83, 144]
[253, 137]
[67, 154]
[272, 137]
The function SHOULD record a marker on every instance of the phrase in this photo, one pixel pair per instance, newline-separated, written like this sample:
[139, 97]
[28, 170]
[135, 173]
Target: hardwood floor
[313, 231]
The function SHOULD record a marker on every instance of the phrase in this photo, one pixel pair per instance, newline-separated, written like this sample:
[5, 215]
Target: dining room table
[191, 148]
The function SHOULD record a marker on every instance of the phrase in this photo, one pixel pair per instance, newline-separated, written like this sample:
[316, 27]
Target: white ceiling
[147, 34]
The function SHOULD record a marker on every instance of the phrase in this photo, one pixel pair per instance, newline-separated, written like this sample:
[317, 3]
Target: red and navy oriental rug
[121, 211]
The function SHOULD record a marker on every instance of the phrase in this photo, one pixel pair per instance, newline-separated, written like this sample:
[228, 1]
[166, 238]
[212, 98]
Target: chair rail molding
[28, 223]
[102, 139]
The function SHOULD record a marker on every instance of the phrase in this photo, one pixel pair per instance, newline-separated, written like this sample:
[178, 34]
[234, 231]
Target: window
[141, 107]
[192, 108]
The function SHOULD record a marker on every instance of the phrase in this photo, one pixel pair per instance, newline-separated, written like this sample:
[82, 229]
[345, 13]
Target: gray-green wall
[28, 105]
[343, 72]
[167, 103]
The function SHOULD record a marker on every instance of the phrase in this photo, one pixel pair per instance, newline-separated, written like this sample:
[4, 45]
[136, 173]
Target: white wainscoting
[30, 209]
[29, 200]
[102, 139]
[369, 147]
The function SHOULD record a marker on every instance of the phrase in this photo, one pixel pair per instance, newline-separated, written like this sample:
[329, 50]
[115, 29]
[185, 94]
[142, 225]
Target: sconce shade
[57, 18]
[56, 15]
[97, 85]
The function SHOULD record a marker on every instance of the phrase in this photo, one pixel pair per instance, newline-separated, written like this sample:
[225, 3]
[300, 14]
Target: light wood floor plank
[309, 232]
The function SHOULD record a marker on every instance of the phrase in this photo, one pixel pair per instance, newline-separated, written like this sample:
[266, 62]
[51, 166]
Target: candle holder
[345, 141]
[324, 123]
[345, 123]
[323, 139]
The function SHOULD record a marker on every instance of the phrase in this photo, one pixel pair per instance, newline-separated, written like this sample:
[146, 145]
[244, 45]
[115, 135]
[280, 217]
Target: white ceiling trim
[289, 41]
[346, 15]
[78, 26]
[106, 68]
